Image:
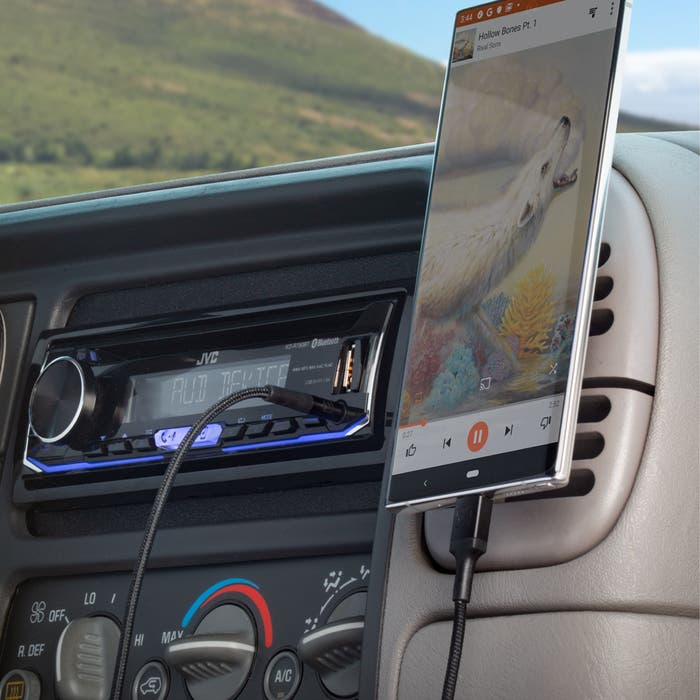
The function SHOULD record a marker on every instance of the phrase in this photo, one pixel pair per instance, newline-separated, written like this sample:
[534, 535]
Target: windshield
[104, 94]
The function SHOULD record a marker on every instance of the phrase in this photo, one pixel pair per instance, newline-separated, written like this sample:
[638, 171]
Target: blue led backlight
[209, 437]
[82, 466]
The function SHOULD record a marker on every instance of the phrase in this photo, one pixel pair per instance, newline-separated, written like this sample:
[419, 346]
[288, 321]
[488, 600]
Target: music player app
[506, 233]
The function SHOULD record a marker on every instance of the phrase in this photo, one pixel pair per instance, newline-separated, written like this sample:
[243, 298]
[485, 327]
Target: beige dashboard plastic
[649, 561]
[629, 349]
[644, 652]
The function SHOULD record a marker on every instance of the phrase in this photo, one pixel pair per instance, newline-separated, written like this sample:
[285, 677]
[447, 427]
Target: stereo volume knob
[63, 402]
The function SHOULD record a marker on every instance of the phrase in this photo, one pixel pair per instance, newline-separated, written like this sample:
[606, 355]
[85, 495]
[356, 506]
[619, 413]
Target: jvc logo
[208, 358]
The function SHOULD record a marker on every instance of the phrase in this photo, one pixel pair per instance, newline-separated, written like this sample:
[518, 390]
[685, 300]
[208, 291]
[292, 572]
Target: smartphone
[510, 247]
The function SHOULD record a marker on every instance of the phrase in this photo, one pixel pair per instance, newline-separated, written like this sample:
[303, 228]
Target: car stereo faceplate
[111, 399]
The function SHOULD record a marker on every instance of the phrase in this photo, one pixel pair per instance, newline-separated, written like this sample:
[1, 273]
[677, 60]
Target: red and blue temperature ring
[243, 587]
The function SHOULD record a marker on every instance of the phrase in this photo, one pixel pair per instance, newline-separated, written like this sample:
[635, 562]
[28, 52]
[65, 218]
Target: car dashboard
[587, 591]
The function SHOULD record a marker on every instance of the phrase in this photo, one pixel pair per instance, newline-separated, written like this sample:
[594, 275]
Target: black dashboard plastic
[351, 226]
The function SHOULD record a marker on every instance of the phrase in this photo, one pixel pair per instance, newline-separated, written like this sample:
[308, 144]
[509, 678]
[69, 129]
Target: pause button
[477, 436]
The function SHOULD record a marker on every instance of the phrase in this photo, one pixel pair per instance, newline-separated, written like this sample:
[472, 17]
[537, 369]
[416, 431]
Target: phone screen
[509, 249]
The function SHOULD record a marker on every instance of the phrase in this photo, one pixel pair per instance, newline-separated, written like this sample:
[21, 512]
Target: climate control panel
[274, 630]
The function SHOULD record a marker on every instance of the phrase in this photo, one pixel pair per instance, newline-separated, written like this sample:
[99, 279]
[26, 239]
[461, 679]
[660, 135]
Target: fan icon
[38, 611]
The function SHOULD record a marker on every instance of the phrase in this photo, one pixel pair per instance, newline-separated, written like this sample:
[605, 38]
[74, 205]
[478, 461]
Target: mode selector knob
[216, 660]
[334, 650]
[63, 402]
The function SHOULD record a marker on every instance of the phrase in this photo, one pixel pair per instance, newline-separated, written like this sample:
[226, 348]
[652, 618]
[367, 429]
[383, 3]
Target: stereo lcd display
[187, 392]
[509, 248]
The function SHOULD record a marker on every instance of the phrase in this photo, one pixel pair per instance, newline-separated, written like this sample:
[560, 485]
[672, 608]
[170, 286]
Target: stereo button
[284, 427]
[231, 433]
[119, 447]
[170, 438]
[314, 425]
[259, 430]
[51, 452]
[143, 444]
[94, 452]
[73, 456]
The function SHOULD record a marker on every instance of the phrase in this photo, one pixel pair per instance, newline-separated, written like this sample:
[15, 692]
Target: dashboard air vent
[555, 526]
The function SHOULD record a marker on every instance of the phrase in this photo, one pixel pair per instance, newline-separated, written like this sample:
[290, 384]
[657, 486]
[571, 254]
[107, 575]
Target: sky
[661, 69]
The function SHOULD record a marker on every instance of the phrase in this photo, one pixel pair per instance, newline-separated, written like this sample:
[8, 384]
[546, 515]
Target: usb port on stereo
[348, 371]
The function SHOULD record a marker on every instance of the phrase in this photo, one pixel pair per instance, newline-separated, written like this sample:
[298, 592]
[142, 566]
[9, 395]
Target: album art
[505, 236]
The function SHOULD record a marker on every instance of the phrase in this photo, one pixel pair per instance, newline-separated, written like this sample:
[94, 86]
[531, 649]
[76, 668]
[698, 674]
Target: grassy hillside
[98, 94]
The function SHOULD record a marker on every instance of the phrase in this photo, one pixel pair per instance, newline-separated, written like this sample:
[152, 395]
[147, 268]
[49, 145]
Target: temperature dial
[63, 402]
[216, 660]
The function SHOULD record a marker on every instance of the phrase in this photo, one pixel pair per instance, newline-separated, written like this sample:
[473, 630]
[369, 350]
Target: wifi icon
[592, 11]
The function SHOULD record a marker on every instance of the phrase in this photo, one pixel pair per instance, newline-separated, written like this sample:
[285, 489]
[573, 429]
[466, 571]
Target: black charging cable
[470, 534]
[308, 404]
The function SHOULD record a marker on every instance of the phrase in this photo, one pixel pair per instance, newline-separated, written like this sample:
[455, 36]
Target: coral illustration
[427, 352]
[497, 366]
[562, 334]
[528, 317]
[495, 307]
[457, 382]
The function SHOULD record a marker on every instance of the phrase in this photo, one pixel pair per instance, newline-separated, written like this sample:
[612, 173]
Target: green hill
[103, 93]
[100, 93]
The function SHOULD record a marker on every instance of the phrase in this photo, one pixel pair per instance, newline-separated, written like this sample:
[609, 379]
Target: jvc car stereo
[108, 403]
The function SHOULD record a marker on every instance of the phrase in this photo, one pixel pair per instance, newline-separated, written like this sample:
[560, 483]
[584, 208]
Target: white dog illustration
[507, 113]
[469, 253]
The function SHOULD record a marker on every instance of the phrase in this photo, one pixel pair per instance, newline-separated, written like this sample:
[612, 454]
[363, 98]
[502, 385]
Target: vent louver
[593, 408]
[603, 287]
[601, 321]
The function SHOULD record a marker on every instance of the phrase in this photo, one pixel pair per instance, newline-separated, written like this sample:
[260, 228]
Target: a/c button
[282, 676]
